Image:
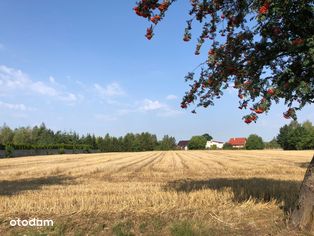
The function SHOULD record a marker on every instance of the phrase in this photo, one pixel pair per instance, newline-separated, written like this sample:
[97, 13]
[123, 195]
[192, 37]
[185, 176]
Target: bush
[213, 147]
[52, 146]
[8, 152]
[87, 149]
[273, 144]
[254, 142]
[61, 151]
[227, 146]
[197, 143]
[296, 136]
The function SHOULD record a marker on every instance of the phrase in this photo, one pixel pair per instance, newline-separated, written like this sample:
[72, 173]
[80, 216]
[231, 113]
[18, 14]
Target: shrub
[197, 143]
[8, 152]
[213, 147]
[87, 149]
[61, 151]
[254, 142]
[227, 146]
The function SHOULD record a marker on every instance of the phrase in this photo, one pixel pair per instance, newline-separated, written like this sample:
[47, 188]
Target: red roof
[237, 141]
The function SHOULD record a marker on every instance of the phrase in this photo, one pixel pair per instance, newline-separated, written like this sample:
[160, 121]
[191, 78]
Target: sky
[86, 66]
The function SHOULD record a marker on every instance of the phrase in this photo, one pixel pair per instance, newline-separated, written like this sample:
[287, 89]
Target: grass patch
[123, 229]
[182, 229]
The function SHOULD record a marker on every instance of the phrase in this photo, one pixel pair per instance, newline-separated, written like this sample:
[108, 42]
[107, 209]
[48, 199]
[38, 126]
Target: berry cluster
[147, 9]
[237, 58]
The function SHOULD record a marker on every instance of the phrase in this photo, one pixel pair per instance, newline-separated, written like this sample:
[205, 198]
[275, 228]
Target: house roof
[215, 141]
[183, 143]
[237, 141]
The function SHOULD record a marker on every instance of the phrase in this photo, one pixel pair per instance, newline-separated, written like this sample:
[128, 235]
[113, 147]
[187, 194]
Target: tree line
[38, 137]
[294, 136]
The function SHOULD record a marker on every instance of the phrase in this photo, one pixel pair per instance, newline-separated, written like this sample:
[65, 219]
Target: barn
[183, 144]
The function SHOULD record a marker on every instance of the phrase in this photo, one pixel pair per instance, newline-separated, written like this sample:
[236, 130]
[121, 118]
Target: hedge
[54, 146]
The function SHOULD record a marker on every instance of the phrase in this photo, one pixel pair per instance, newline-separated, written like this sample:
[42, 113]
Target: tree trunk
[303, 214]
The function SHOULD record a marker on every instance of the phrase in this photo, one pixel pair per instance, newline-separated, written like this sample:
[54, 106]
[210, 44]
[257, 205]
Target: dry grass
[154, 193]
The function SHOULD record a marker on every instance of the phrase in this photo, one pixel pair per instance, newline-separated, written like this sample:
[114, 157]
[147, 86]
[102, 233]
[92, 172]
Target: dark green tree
[254, 142]
[208, 137]
[167, 143]
[128, 142]
[272, 144]
[22, 136]
[197, 143]
[296, 136]
[6, 135]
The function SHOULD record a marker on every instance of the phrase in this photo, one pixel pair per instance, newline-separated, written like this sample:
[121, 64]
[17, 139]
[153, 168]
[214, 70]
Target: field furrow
[224, 190]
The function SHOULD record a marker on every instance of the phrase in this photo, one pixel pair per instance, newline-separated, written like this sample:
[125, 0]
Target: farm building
[183, 144]
[213, 142]
[237, 142]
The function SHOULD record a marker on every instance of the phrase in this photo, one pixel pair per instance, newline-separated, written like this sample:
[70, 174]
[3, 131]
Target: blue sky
[86, 66]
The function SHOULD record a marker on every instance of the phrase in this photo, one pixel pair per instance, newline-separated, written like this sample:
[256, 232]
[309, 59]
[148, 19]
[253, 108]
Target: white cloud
[16, 107]
[149, 105]
[13, 79]
[171, 97]
[69, 97]
[41, 88]
[162, 109]
[111, 90]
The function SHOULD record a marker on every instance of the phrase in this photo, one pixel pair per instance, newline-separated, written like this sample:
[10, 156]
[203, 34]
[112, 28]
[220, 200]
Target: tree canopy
[38, 137]
[264, 49]
[207, 136]
[197, 143]
[296, 136]
[254, 142]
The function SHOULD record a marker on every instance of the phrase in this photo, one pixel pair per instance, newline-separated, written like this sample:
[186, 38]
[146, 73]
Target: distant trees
[207, 136]
[22, 136]
[197, 143]
[254, 142]
[296, 136]
[167, 143]
[273, 144]
[6, 135]
[39, 137]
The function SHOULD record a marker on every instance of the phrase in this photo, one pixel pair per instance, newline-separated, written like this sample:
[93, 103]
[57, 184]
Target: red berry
[259, 110]
[248, 120]
[271, 91]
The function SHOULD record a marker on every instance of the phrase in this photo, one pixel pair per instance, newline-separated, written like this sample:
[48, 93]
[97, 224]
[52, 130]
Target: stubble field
[153, 193]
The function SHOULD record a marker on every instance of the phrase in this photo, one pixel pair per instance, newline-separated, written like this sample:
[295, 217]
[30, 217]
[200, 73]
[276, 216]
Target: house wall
[211, 143]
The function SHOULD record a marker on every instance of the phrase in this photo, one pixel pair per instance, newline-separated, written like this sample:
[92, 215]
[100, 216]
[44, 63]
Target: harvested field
[153, 193]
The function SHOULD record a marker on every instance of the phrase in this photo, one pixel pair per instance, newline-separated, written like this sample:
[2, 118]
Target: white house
[212, 143]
